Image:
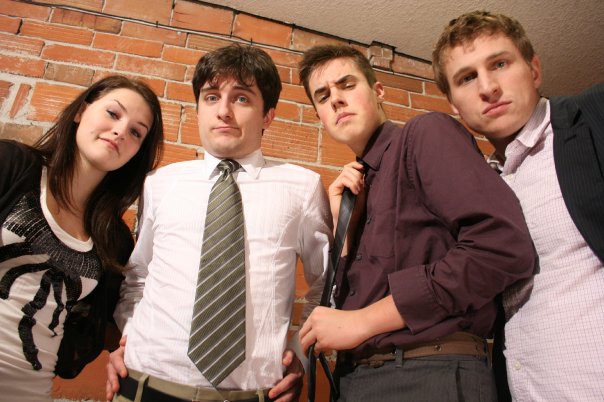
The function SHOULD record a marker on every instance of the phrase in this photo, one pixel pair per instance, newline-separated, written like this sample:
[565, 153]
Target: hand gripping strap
[346, 207]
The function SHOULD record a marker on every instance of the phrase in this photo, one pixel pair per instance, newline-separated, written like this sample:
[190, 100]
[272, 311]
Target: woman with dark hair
[62, 234]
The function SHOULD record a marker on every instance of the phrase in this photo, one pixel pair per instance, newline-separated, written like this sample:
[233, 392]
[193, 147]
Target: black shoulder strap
[346, 207]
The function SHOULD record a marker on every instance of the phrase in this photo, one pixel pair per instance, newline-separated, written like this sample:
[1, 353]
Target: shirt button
[517, 365]
[358, 257]
[352, 293]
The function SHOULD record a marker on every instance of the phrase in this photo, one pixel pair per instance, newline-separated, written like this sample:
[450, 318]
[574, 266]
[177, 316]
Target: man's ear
[379, 91]
[268, 118]
[535, 65]
[455, 111]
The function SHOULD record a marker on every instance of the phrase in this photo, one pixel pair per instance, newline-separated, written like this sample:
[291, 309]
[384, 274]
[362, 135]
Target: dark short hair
[245, 64]
[119, 188]
[318, 56]
[468, 27]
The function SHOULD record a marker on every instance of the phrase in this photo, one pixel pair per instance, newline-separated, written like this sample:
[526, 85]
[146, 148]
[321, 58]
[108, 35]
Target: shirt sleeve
[315, 236]
[132, 287]
[493, 246]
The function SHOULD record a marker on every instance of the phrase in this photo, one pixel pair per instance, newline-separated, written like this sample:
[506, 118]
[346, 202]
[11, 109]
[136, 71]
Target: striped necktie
[217, 338]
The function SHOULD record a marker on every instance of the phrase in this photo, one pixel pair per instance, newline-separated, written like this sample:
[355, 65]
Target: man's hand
[115, 367]
[352, 177]
[343, 330]
[290, 387]
[332, 329]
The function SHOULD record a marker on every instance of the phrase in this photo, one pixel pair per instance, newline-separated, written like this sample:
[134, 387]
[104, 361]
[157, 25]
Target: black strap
[346, 207]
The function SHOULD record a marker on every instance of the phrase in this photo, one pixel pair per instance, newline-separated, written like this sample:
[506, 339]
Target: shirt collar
[533, 132]
[251, 164]
[377, 145]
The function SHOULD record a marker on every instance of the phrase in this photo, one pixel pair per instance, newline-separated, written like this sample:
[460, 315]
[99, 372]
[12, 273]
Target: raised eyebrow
[345, 79]
[324, 89]
[126, 111]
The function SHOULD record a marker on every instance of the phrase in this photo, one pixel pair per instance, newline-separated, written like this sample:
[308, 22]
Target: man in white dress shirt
[547, 152]
[286, 216]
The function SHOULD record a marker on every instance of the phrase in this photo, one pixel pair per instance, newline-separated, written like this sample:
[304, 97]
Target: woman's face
[111, 130]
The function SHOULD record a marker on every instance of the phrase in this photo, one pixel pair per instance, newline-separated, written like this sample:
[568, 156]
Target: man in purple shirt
[438, 237]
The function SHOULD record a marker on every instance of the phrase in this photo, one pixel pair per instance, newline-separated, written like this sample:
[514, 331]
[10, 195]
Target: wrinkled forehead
[241, 79]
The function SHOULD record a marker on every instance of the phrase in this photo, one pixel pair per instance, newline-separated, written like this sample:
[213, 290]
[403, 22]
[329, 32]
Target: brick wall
[50, 51]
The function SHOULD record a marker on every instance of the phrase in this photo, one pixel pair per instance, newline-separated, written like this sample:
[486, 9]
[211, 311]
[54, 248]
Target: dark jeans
[438, 379]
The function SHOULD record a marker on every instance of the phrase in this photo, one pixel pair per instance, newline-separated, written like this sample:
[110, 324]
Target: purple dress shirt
[442, 233]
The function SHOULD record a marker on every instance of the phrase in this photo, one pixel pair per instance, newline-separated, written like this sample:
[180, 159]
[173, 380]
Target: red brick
[485, 146]
[171, 115]
[71, 74]
[78, 55]
[431, 88]
[200, 17]
[48, 100]
[297, 312]
[127, 45]
[290, 141]
[163, 35]
[155, 11]
[156, 85]
[400, 114]
[285, 74]
[301, 285]
[27, 134]
[189, 130]
[284, 58]
[93, 5]
[406, 65]
[260, 30]
[19, 44]
[4, 91]
[89, 384]
[177, 153]
[20, 100]
[206, 43]
[181, 55]
[400, 82]
[304, 40]
[328, 174]
[20, 9]
[190, 73]
[288, 111]
[294, 93]
[379, 50]
[72, 35]
[395, 95]
[130, 218]
[181, 92]
[430, 103]
[309, 115]
[8, 24]
[78, 19]
[296, 76]
[154, 68]
[22, 66]
[333, 153]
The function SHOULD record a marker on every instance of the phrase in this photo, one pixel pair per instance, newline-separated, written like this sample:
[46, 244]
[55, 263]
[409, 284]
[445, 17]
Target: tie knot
[228, 166]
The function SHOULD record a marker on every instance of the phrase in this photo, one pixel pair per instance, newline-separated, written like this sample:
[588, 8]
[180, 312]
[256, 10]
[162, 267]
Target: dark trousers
[426, 379]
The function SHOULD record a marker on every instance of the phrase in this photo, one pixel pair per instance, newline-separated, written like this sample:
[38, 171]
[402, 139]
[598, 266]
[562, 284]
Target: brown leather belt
[458, 343]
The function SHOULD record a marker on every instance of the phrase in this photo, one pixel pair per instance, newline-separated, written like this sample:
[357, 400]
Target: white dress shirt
[286, 215]
[554, 346]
